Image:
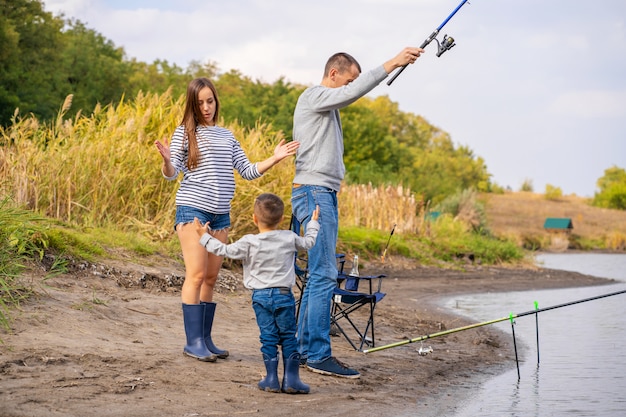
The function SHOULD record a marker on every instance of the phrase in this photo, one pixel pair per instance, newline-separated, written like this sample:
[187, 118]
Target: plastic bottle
[354, 272]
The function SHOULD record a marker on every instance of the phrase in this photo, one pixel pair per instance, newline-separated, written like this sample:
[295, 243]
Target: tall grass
[380, 208]
[21, 239]
[92, 170]
[102, 170]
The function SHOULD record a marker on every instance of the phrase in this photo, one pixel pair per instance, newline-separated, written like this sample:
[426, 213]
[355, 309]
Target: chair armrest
[341, 277]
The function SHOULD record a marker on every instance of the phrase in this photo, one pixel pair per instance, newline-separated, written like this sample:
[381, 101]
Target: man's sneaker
[332, 366]
[303, 360]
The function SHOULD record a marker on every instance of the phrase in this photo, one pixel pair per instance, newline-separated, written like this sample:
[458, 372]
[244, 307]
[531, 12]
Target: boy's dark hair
[269, 209]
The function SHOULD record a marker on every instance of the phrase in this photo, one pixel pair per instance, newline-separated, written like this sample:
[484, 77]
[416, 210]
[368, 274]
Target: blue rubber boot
[209, 315]
[270, 382]
[193, 318]
[291, 379]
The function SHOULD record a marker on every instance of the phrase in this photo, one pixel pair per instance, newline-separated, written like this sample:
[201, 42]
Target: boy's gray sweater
[268, 258]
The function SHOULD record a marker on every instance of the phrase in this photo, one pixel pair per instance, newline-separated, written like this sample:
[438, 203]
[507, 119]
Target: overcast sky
[537, 88]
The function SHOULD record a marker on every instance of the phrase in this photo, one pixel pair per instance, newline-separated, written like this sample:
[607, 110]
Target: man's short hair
[342, 62]
[269, 209]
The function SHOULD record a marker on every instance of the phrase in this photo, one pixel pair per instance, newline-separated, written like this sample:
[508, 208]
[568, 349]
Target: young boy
[268, 270]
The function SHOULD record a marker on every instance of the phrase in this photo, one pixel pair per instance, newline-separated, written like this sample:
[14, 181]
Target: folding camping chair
[352, 311]
[346, 317]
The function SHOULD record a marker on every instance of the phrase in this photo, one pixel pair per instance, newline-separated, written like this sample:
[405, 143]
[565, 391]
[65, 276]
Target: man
[319, 172]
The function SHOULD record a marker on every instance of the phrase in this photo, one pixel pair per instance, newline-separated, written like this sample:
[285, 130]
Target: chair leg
[340, 313]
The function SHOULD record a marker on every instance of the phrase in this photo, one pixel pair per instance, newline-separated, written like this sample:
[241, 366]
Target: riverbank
[107, 340]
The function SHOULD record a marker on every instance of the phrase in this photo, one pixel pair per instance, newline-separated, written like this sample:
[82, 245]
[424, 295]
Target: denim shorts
[186, 214]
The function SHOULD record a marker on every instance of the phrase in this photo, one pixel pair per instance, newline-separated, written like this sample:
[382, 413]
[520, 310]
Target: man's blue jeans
[314, 320]
[275, 310]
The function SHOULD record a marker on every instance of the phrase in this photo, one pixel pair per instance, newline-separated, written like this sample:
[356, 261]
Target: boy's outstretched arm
[237, 250]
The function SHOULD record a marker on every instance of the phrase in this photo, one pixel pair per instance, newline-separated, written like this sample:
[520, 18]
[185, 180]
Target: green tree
[441, 170]
[161, 76]
[44, 58]
[250, 102]
[9, 53]
[30, 64]
[612, 188]
[94, 70]
[385, 145]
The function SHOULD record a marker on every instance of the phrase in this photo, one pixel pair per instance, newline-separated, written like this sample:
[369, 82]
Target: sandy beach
[106, 339]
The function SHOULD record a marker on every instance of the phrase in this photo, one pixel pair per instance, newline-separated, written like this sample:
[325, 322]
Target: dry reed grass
[96, 170]
[102, 170]
[379, 208]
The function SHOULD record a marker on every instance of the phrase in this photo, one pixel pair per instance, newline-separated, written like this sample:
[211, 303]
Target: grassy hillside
[520, 216]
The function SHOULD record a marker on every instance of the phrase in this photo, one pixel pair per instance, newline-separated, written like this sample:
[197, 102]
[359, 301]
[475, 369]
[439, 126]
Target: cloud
[590, 104]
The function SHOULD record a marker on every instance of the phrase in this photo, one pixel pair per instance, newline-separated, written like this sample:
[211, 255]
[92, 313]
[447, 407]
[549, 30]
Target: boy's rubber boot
[270, 382]
[193, 318]
[209, 315]
[291, 379]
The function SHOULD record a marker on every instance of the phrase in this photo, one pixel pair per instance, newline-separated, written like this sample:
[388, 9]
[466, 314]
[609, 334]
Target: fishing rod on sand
[446, 44]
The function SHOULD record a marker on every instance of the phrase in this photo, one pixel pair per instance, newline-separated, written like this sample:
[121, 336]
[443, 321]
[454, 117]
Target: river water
[579, 368]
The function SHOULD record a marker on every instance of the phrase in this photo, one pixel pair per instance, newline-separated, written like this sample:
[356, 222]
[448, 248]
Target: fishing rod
[382, 258]
[445, 45]
[485, 323]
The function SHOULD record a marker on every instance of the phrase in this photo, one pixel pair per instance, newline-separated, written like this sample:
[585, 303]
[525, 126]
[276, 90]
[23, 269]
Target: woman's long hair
[193, 116]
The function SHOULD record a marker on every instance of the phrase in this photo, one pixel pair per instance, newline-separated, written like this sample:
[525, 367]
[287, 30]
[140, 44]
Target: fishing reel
[445, 45]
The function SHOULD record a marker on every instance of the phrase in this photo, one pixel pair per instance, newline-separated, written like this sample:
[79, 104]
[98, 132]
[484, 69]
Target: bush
[614, 197]
[465, 207]
[20, 239]
[612, 187]
[553, 193]
[527, 186]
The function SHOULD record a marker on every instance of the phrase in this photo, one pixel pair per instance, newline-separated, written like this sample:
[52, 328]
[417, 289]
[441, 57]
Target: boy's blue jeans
[275, 310]
[314, 320]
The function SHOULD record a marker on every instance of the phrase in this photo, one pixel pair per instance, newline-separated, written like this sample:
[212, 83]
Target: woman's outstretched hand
[282, 151]
[164, 149]
[285, 149]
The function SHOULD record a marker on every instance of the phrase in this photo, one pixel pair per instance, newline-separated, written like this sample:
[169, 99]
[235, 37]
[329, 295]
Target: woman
[206, 154]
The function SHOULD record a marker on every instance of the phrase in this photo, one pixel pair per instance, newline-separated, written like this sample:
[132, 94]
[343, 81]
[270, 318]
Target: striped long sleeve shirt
[211, 185]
